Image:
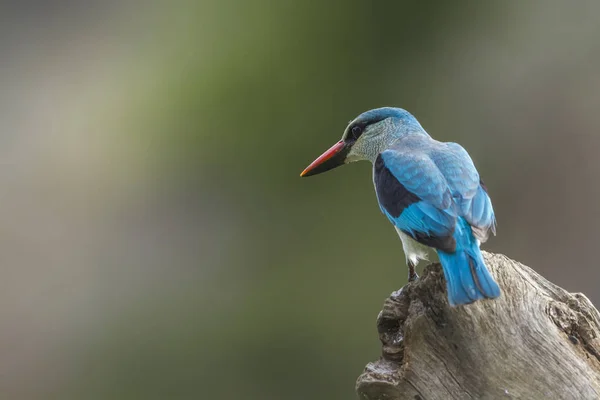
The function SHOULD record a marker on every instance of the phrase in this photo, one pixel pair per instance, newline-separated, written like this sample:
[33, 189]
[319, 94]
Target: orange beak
[332, 158]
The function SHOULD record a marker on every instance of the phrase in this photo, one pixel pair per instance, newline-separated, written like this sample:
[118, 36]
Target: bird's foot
[413, 277]
[412, 273]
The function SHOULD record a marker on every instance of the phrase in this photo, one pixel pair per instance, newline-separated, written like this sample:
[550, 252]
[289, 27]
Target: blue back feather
[451, 213]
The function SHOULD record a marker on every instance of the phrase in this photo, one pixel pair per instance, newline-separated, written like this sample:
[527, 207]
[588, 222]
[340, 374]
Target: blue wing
[415, 196]
[468, 191]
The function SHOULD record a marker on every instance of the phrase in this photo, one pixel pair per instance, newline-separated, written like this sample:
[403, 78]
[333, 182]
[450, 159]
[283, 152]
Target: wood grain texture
[537, 341]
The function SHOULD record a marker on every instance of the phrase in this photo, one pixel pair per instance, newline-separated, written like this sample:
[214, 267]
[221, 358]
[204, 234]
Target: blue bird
[430, 191]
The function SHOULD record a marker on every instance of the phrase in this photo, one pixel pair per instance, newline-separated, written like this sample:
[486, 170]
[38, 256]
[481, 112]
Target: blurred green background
[157, 241]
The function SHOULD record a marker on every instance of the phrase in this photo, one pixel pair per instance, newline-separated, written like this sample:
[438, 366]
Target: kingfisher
[429, 190]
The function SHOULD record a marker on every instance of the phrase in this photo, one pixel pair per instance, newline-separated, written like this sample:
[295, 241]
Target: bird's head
[365, 137]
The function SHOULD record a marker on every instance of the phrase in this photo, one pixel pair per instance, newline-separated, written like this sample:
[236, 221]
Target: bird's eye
[356, 131]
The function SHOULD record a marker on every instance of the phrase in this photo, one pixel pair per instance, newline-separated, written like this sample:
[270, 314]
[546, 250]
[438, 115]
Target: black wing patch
[395, 198]
[392, 195]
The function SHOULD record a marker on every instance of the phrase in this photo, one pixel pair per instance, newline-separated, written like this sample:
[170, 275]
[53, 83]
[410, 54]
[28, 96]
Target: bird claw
[412, 277]
[412, 273]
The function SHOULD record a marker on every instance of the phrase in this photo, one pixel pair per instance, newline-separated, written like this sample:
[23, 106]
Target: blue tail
[467, 277]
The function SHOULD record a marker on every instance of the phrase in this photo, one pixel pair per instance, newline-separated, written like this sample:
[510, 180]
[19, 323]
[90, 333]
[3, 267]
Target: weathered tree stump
[537, 341]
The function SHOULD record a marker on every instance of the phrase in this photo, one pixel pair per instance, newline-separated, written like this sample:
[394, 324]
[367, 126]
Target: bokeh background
[156, 240]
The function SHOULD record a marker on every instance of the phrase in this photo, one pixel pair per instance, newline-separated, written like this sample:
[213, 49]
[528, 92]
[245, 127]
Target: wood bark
[536, 341]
